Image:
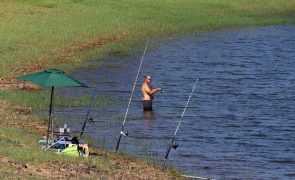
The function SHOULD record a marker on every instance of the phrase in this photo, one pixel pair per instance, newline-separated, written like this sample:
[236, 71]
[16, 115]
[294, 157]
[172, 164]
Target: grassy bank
[37, 34]
[43, 33]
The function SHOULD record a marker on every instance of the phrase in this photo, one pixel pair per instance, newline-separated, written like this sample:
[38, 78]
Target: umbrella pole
[50, 116]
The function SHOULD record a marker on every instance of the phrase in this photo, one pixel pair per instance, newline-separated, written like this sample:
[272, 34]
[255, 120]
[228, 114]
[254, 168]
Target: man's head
[148, 78]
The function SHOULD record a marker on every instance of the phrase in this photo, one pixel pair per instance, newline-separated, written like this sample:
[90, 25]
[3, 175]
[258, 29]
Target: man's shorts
[147, 105]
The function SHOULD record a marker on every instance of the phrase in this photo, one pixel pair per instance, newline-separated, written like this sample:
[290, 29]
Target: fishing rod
[172, 144]
[88, 118]
[123, 125]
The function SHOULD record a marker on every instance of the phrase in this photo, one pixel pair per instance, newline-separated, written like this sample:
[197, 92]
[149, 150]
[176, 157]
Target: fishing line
[123, 125]
[88, 118]
[172, 145]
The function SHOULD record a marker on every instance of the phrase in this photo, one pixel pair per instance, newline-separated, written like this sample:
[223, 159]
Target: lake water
[240, 121]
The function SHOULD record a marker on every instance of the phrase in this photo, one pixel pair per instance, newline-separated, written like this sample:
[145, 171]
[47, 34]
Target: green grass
[50, 33]
[39, 31]
[21, 145]
[40, 100]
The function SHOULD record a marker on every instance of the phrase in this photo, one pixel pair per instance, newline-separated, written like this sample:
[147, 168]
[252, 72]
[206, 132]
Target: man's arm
[150, 90]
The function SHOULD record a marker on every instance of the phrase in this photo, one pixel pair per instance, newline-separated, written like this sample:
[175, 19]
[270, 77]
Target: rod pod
[123, 125]
[172, 144]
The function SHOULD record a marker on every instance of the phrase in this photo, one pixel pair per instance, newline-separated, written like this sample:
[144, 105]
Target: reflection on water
[240, 121]
[148, 116]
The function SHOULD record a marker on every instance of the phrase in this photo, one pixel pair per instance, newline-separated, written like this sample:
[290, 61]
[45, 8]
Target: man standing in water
[148, 93]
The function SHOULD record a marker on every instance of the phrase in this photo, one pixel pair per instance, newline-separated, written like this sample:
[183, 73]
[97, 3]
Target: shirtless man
[148, 93]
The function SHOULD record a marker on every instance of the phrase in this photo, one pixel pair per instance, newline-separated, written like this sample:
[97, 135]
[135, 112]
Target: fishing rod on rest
[88, 118]
[123, 125]
[172, 144]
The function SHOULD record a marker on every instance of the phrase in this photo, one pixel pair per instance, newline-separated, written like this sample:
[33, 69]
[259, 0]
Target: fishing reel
[124, 133]
[90, 120]
[174, 145]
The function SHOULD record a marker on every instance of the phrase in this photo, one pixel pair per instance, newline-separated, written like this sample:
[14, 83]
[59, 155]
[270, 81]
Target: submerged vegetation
[38, 34]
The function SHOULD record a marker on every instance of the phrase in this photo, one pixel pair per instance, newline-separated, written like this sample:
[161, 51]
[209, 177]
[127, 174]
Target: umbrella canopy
[52, 78]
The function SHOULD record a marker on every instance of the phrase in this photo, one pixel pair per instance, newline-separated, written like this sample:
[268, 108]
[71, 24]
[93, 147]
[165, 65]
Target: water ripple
[240, 120]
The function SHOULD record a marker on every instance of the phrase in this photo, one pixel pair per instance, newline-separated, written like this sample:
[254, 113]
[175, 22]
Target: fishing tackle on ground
[172, 144]
[123, 125]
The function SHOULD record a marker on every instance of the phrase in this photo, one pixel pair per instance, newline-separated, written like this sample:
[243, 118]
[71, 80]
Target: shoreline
[18, 126]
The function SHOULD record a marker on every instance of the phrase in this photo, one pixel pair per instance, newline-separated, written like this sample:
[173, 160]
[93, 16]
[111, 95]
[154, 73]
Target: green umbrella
[52, 78]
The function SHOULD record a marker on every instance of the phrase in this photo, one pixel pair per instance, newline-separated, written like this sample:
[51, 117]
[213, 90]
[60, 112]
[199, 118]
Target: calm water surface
[240, 121]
